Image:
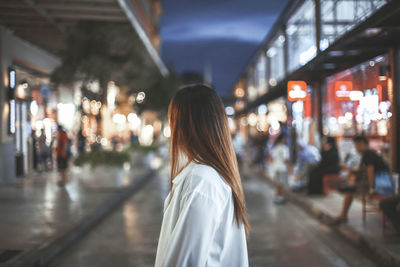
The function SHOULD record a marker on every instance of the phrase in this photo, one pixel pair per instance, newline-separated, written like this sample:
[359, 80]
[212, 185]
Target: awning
[46, 22]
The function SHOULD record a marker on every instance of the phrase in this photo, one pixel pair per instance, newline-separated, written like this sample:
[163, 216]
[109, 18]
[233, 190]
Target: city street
[100, 98]
[281, 235]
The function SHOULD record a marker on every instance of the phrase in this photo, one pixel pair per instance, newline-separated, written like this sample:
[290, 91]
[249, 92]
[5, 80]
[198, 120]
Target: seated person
[329, 164]
[391, 208]
[308, 157]
[376, 171]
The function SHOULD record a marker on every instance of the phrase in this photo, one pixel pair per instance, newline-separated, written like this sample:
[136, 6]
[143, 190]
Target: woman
[204, 220]
[329, 164]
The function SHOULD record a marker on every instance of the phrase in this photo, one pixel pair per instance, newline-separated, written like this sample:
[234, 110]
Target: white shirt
[280, 155]
[199, 227]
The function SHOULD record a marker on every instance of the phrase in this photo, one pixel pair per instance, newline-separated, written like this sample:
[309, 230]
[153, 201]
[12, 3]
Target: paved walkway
[284, 235]
[128, 237]
[369, 235]
[386, 239]
[36, 210]
[281, 235]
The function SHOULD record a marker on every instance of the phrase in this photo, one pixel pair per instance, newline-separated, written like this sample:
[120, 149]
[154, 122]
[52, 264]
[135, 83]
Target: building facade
[32, 34]
[346, 52]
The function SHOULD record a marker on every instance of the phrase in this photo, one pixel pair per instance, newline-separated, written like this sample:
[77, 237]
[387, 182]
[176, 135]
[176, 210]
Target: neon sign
[297, 90]
[11, 83]
[11, 116]
[343, 90]
[11, 100]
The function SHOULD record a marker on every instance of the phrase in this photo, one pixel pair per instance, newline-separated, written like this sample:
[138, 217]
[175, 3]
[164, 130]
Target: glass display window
[356, 101]
[300, 32]
[261, 74]
[340, 16]
[252, 83]
[276, 60]
[302, 116]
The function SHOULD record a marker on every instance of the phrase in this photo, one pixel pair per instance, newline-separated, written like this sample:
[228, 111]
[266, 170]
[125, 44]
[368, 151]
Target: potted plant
[142, 155]
[102, 168]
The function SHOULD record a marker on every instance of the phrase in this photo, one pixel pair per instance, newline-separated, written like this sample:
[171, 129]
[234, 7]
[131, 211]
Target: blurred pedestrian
[114, 142]
[81, 141]
[44, 151]
[238, 144]
[329, 164]
[51, 149]
[373, 169]
[204, 220]
[134, 140]
[35, 152]
[308, 156]
[260, 143]
[62, 155]
[279, 166]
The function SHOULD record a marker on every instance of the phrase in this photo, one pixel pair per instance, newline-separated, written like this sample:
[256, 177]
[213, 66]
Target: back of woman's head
[199, 130]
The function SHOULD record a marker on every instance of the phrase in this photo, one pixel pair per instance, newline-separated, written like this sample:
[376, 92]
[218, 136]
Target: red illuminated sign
[343, 90]
[297, 90]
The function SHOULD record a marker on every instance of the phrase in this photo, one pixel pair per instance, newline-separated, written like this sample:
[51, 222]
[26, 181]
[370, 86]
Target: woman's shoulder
[205, 180]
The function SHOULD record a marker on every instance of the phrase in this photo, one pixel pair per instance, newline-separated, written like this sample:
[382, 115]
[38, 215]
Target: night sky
[220, 33]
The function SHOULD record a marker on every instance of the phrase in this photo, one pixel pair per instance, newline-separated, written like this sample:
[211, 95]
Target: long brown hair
[199, 130]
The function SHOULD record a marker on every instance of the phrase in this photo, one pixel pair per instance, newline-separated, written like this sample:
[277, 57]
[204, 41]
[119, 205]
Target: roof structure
[46, 22]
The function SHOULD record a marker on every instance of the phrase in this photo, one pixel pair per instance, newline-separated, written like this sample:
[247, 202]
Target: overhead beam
[44, 14]
[83, 16]
[61, 13]
[15, 13]
[128, 9]
[13, 4]
[35, 29]
[22, 21]
[79, 6]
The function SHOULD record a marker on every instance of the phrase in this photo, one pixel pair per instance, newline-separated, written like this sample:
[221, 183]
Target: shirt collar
[183, 173]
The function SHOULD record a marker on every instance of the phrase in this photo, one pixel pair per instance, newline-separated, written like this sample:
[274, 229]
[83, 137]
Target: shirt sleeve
[194, 232]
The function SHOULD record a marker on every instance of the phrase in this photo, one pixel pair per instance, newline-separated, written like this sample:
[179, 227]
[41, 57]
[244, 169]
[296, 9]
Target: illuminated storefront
[257, 78]
[276, 58]
[261, 74]
[32, 112]
[300, 103]
[333, 46]
[356, 101]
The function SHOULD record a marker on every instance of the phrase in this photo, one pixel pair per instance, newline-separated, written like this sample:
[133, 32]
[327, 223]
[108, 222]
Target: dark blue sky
[221, 33]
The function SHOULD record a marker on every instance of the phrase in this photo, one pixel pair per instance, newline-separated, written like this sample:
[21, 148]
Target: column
[394, 97]
[7, 162]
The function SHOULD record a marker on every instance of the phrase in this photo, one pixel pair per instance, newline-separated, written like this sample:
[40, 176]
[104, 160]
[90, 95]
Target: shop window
[340, 16]
[276, 60]
[356, 101]
[300, 31]
[261, 75]
[251, 84]
[302, 116]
